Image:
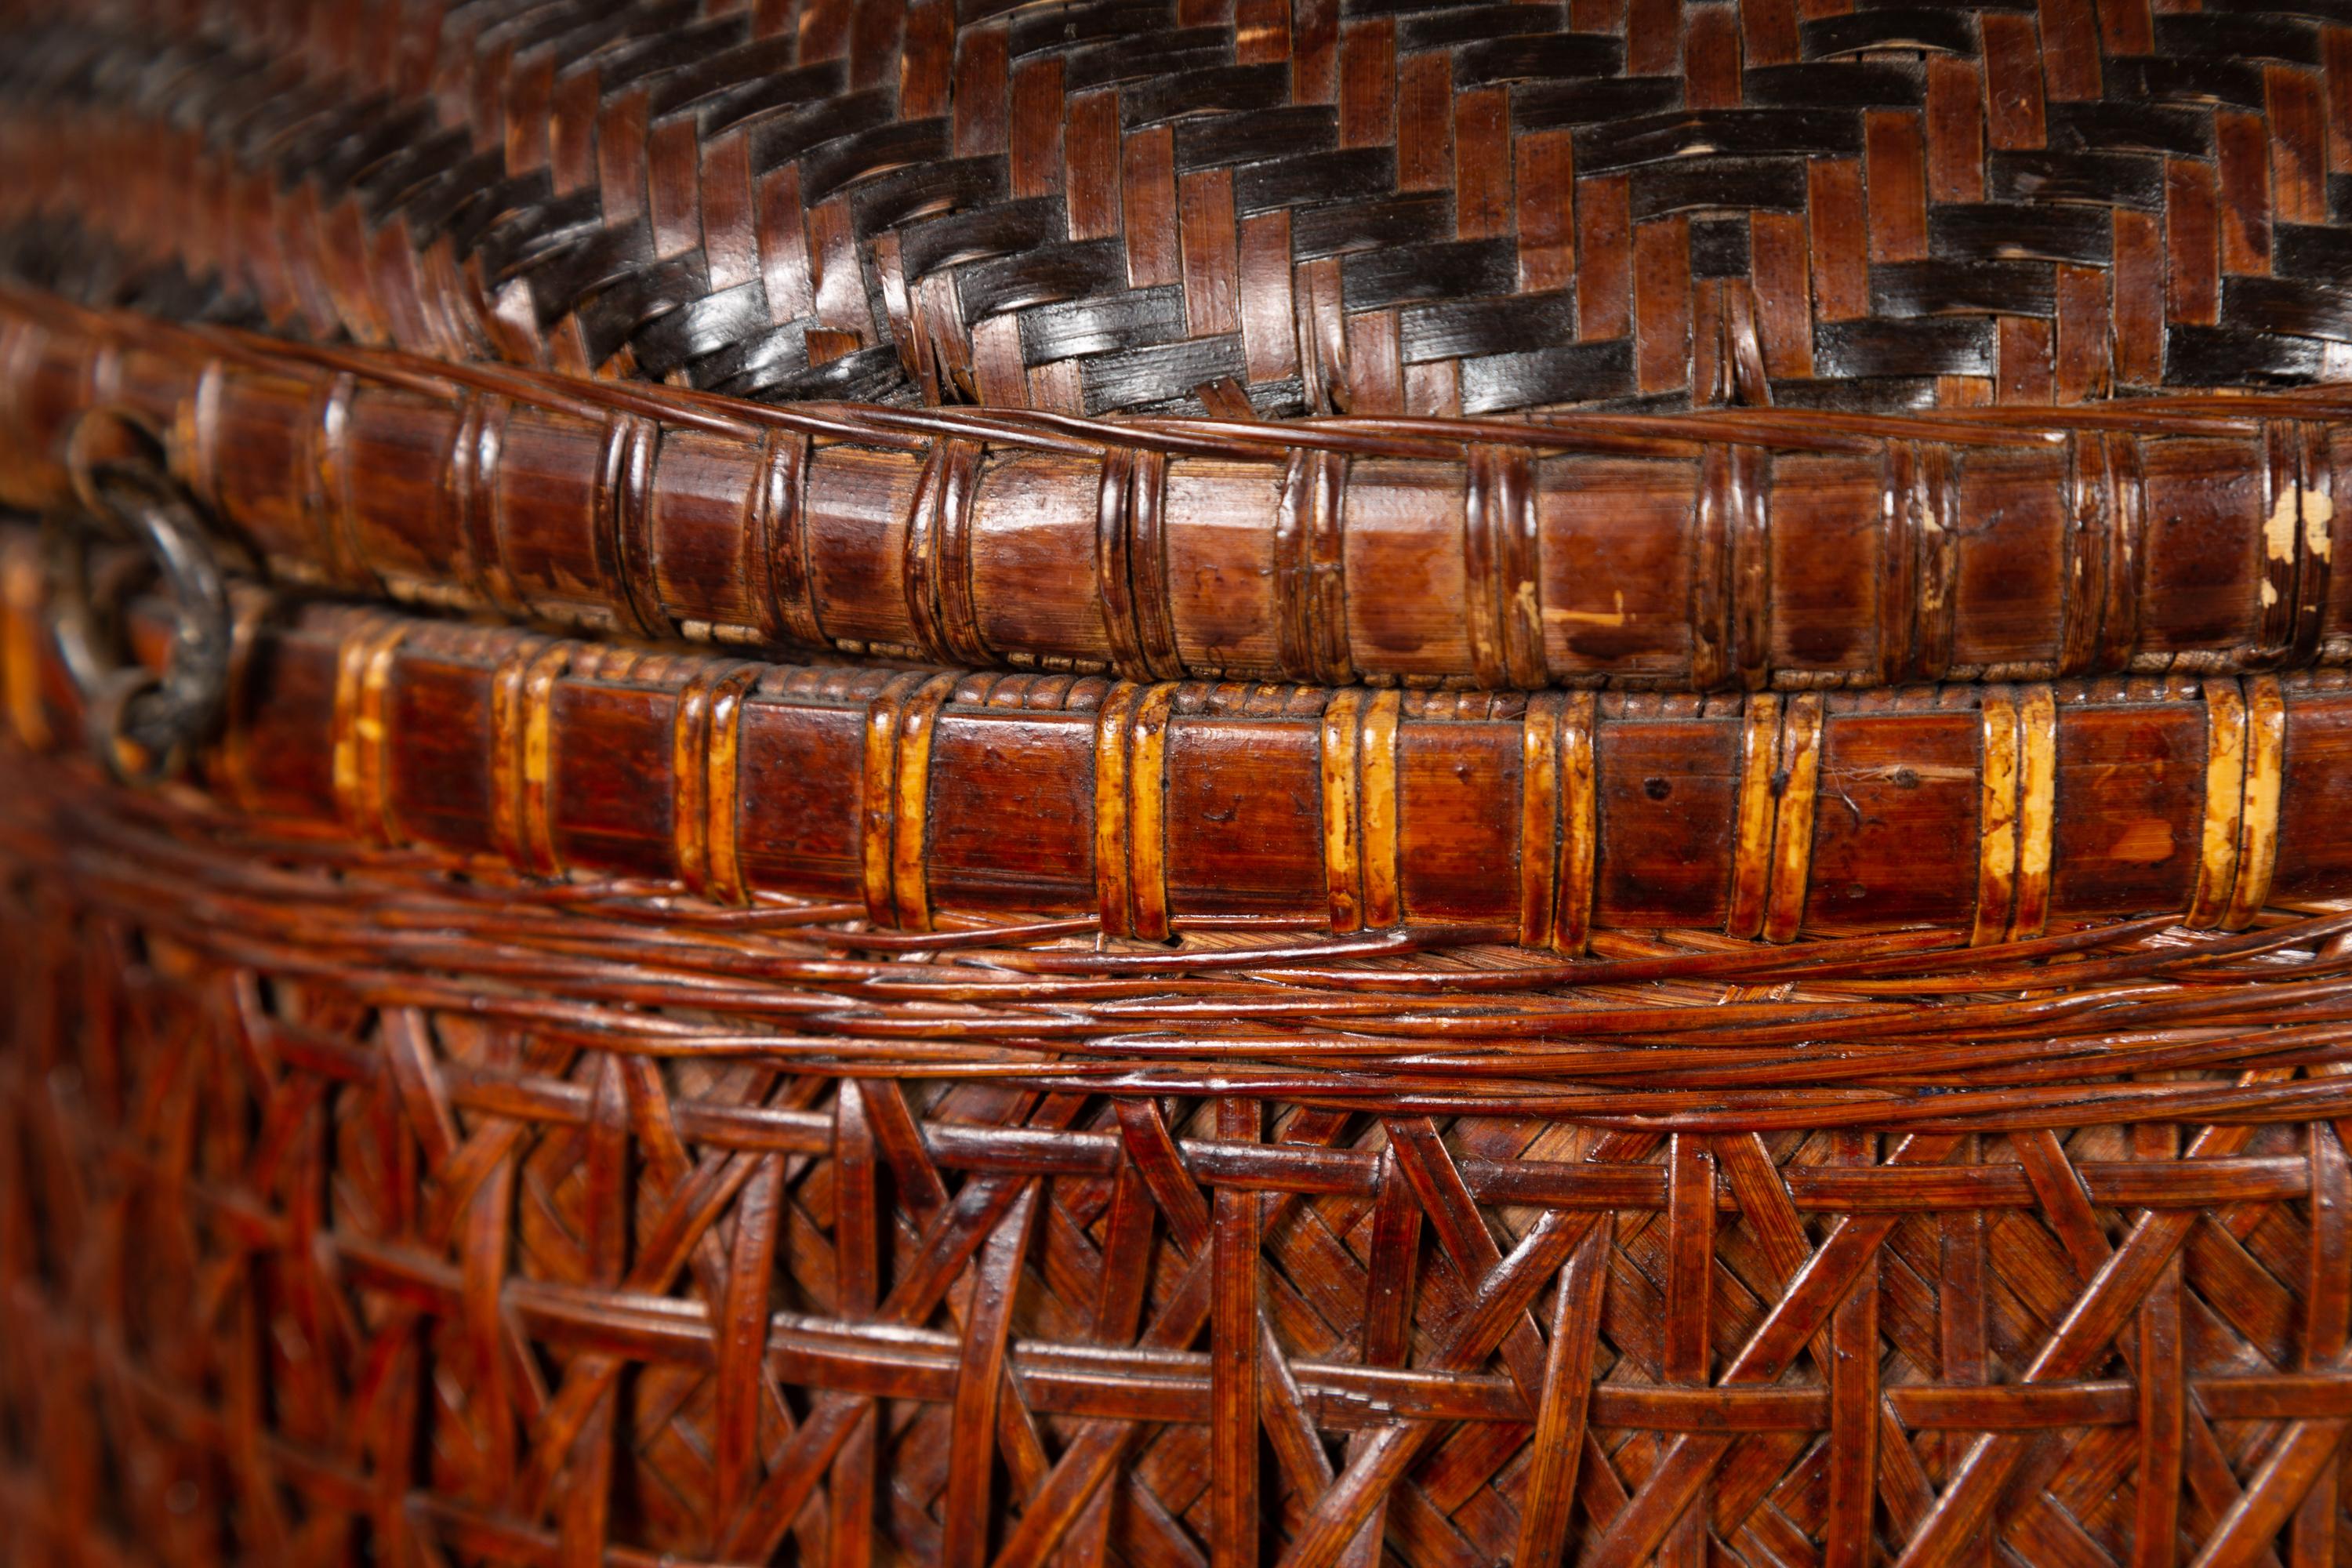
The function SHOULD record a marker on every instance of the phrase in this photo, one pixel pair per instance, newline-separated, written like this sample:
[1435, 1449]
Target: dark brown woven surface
[467, 1205]
[579, 1103]
[367, 1208]
[1379, 207]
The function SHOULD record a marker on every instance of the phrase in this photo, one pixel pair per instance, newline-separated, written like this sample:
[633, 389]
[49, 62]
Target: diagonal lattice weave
[302, 1260]
[1377, 206]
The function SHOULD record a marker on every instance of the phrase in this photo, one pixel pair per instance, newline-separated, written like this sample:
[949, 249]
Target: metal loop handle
[140, 722]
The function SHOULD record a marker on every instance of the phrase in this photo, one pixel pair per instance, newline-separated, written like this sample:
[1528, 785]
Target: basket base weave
[363, 1207]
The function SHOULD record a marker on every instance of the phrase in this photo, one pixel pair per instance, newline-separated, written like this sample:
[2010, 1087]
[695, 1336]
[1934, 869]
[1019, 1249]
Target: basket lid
[1368, 206]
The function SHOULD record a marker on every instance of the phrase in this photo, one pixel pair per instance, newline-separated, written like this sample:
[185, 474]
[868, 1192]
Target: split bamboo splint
[1720, 548]
[1998, 807]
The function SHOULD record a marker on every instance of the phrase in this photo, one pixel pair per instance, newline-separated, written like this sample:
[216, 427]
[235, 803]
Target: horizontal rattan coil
[2105, 1023]
[568, 1247]
[1151, 806]
[1710, 551]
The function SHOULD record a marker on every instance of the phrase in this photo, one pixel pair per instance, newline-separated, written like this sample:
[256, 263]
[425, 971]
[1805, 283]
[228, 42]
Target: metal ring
[140, 722]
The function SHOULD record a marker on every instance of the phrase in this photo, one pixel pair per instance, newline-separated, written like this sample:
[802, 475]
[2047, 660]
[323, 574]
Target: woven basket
[383, 1204]
[1260, 786]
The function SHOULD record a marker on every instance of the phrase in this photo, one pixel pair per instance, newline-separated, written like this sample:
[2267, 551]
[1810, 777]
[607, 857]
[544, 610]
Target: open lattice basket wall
[362, 1205]
[370, 1201]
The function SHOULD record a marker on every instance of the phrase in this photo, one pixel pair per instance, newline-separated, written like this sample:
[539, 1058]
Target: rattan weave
[1384, 208]
[380, 1207]
[1256, 783]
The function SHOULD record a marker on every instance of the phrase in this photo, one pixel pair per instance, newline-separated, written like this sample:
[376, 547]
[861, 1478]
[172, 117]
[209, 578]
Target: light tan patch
[2278, 529]
[2146, 843]
[1616, 618]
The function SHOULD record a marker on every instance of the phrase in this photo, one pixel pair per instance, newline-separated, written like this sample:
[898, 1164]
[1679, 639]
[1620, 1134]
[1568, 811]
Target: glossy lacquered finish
[1712, 551]
[1544, 815]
